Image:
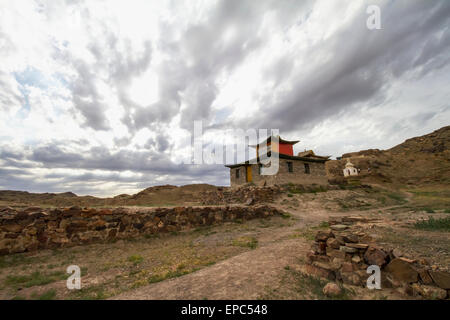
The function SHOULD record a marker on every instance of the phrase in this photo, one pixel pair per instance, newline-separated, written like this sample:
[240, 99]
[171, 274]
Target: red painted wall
[286, 149]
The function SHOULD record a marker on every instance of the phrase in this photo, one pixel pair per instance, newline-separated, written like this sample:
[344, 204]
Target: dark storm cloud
[102, 158]
[149, 166]
[415, 36]
[204, 51]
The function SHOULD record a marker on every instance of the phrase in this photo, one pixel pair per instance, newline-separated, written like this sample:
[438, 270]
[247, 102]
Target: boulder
[319, 272]
[333, 243]
[14, 228]
[441, 279]
[249, 201]
[397, 253]
[375, 256]
[330, 266]
[339, 227]
[347, 267]
[351, 278]
[323, 236]
[360, 246]
[331, 290]
[425, 277]
[316, 257]
[402, 270]
[351, 237]
[348, 249]
[333, 253]
[356, 259]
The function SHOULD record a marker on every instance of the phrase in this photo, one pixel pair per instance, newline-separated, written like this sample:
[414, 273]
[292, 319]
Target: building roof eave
[280, 155]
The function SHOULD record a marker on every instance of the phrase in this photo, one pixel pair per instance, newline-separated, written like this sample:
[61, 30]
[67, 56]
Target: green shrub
[442, 224]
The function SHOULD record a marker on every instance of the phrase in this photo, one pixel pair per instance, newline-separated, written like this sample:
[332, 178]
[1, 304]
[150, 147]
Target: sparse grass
[310, 232]
[170, 274]
[47, 295]
[151, 235]
[432, 224]
[436, 196]
[315, 286]
[135, 259]
[324, 224]
[250, 242]
[397, 197]
[15, 260]
[90, 293]
[286, 215]
[35, 279]
[297, 285]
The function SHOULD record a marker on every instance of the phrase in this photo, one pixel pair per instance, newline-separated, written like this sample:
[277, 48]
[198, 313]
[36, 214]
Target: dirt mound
[417, 161]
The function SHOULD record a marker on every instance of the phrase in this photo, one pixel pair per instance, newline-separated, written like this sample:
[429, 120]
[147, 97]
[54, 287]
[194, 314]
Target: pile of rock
[36, 228]
[343, 255]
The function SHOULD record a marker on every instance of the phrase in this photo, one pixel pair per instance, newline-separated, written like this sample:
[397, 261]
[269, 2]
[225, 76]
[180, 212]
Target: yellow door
[249, 174]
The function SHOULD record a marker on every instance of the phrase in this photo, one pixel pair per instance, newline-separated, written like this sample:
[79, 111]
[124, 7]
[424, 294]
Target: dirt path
[242, 277]
[245, 276]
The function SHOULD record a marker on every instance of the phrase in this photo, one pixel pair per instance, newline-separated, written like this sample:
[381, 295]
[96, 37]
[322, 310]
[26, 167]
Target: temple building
[306, 168]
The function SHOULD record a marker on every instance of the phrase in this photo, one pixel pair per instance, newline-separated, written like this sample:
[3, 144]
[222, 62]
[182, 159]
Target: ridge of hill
[165, 195]
[417, 161]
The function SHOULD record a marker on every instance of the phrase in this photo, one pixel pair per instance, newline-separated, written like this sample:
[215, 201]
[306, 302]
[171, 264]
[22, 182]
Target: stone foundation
[35, 228]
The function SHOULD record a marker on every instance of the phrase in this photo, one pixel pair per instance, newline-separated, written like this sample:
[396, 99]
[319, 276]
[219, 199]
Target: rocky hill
[417, 161]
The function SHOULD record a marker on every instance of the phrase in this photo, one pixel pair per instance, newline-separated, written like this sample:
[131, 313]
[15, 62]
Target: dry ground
[257, 259]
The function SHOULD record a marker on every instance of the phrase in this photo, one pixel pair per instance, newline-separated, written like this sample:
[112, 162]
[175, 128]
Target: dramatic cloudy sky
[99, 97]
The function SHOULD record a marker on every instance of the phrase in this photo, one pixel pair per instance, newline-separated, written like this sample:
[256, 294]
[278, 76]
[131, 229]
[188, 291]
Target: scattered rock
[351, 278]
[249, 202]
[339, 227]
[397, 253]
[429, 292]
[348, 249]
[357, 245]
[332, 290]
[402, 270]
[323, 235]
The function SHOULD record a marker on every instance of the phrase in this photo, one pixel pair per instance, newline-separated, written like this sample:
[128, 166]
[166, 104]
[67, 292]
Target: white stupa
[350, 169]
